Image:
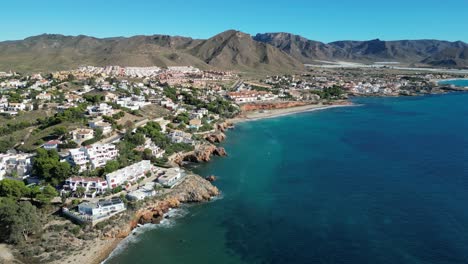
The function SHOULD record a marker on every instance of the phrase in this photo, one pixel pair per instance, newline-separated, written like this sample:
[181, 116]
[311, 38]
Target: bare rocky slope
[229, 50]
[423, 52]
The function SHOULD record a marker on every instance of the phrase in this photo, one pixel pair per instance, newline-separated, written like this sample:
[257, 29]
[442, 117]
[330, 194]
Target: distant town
[84, 151]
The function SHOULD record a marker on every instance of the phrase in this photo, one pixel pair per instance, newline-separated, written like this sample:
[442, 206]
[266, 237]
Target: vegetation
[14, 189]
[47, 166]
[18, 221]
[334, 92]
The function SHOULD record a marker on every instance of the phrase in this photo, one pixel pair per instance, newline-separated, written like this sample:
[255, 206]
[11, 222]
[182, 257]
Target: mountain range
[229, 50]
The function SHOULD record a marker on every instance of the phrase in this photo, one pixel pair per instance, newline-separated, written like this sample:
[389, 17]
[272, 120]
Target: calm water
[460, 82]
[385, 182]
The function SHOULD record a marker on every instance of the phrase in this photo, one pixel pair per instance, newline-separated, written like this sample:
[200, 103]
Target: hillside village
[93, 142]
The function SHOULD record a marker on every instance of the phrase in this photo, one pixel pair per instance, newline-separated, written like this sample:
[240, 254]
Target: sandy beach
[263, 114]
[96, 252]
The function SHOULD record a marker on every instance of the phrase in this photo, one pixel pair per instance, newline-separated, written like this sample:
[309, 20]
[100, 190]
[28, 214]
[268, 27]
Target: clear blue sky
[325, 20]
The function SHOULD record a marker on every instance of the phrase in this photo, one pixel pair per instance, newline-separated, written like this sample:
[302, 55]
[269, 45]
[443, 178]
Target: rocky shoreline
[192, 189]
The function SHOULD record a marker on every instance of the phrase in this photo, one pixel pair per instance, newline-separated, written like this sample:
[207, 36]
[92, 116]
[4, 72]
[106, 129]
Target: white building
[92, 185]
[155, 150]
[251, 96]
[44, 96]
[145, 191]
[100, 124]
[101, 109]
[178, 136]
[133, 103]
[95, 212]
[99, 154]
[170, 177]
[129, 174]
[96, 155]
[82, 134]
[15, 165]
[15, 107]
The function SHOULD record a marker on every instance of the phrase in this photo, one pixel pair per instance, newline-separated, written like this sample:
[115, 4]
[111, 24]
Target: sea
[458, 82]
[385, 181]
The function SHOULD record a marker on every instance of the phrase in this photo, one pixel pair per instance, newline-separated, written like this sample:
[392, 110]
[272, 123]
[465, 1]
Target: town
[96, 142]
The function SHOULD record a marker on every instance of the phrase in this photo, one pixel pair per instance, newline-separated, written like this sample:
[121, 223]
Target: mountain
[56, 52]
[298, 47]
[234, 49]
[229, 50]
[428, 52]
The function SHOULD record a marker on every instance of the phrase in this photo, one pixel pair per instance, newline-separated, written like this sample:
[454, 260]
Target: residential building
[178, 136]
[129, 174]
[156, 151]
[195, 123]
[92, 185]
[15, 164]
[170, 177]
[143, 192]
[51, 145]
[99, 110]
[44, 96]
[95, 212]
[96, 155]
[82, 134]
[251, 96]
[98, 123]
[15, 107]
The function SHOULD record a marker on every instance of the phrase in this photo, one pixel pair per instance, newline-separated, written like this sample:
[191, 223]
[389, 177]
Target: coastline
[258, 115]
[193, 189]
[99, 250]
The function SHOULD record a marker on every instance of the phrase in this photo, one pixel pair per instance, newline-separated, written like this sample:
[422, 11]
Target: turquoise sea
[459, 82]
[384, 182]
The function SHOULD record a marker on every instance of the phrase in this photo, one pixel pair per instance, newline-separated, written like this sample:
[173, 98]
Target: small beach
[263, 114]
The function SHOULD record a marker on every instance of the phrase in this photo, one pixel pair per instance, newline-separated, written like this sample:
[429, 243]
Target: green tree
[60, 131]
[80, 191]
[47, 166]
[18, 221]
[111, 166]
[47, 194]
[13, 189]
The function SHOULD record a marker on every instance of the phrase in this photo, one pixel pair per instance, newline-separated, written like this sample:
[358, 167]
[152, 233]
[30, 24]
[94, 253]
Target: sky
[326, 20]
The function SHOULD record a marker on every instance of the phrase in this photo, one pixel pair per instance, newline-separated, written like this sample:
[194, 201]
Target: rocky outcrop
[193, 189]
[211, 178]
[219, 151]
[270, 105]
[224, 126]
[202, 153]
[216, 137]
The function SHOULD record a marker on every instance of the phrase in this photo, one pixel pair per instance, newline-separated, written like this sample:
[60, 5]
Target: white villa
[170, 177]
[178, 136]
[146, 191]
[129, 174]
[96, 155]
[89, 212]
[92, 185]
[15, 164]
[101, 109]
[82, 134]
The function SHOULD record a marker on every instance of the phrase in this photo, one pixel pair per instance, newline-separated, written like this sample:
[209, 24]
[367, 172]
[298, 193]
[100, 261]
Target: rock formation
[216, 137]
[202, 153]
[224, 126]
[193, 189]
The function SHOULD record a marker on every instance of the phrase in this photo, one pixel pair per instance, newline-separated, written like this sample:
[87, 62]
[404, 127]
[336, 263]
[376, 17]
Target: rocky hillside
[428, 52]
[234, 49]
[230, 50]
